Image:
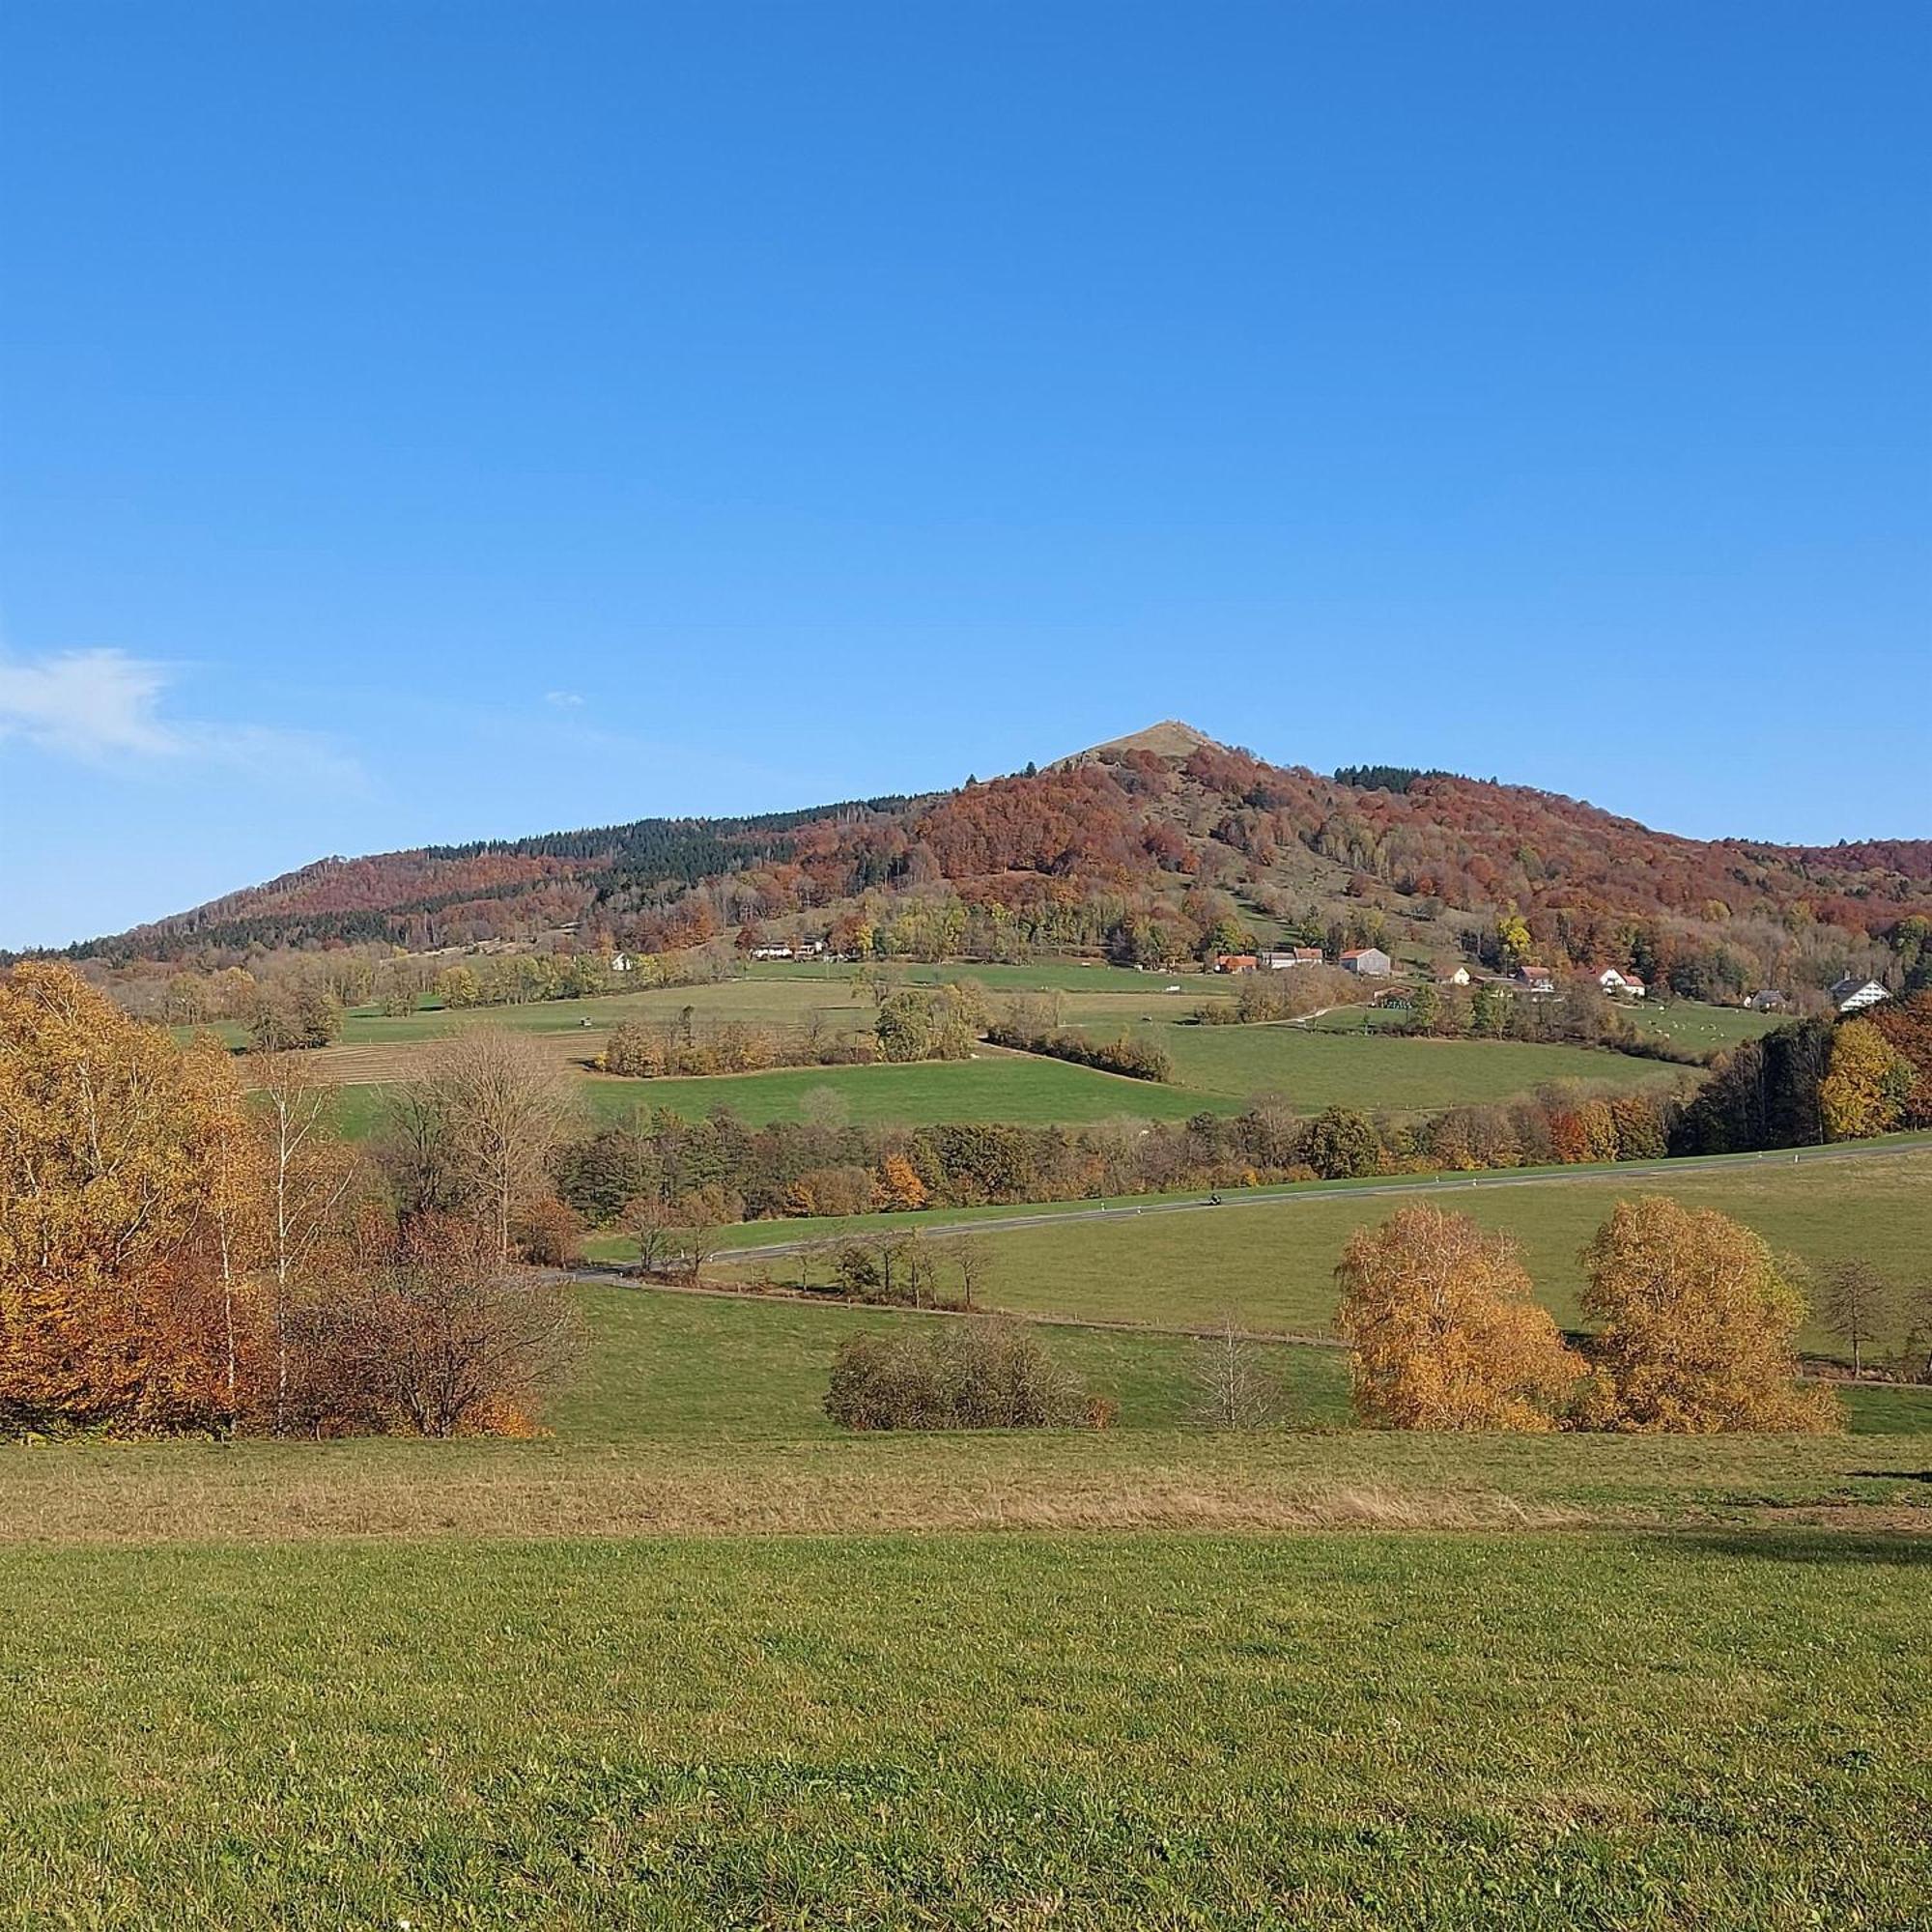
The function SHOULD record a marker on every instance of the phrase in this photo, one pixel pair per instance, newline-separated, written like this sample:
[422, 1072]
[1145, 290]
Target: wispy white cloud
[105, 707]
[564, 700]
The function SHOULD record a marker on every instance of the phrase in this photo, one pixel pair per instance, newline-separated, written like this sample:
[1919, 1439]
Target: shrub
[1443, 1329]
[1699, 1327]
[434, 1338]
[953, 1375]
[1137, 1059]
[549, 1233]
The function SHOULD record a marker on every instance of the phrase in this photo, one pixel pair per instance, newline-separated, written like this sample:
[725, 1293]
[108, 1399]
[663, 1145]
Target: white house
[771, 953]
[620, 962]
[1852, 993]
[1369, 962]
[1627, 984]
[1459, 977]
[1282, 958]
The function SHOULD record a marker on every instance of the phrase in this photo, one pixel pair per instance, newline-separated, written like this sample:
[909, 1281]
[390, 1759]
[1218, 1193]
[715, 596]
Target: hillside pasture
[1272, 1268]
[1382, 1072]
[1267, 1259]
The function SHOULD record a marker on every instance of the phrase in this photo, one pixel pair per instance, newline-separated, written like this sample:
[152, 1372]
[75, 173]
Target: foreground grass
[703, 1414]
[701, 1661]
[1009, 1731]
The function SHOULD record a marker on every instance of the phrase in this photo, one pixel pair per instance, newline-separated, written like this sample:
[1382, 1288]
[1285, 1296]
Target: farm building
[1370, 962]
[1767, 1001]
[1854, 992]
[771, 953]
[1613, 981]
[1281, 958]
[1235, 962]
[1536, 979]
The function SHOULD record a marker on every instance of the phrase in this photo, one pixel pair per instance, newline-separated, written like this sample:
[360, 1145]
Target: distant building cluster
[805, 949]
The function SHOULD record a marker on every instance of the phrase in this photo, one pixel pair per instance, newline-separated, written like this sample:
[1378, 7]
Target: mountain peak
[1171, 738]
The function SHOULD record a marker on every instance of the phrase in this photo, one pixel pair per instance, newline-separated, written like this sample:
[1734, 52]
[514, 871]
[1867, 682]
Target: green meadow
[1313, 1070]
[697, 1659]
[1265, 1259]
[1707, 1729]
[1336, 1061]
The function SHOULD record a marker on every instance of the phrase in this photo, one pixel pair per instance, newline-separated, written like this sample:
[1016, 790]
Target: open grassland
[1712, 1730]
[704, 1413]
[1703, 1029]
[1687, 1023]
[1216, 1069]
[1272, 1266]
[992, 1085]
[699, 1660]
[1313, 1070]
[1267, 1259]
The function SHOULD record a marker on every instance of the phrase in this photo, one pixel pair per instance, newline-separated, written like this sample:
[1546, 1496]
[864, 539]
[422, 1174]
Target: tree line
[179, 1257]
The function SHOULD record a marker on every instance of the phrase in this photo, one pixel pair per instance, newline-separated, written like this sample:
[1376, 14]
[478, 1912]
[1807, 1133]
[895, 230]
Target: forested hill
[1141, 847]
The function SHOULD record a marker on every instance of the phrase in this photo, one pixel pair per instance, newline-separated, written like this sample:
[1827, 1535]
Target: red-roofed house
[1613, 981]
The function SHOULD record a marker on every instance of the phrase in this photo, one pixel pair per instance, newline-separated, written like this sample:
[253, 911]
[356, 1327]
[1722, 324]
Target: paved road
[1456, 1183]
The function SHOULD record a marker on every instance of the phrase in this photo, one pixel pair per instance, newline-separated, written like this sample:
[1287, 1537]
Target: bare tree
[439, 1338]
[508, 1102]
[898, 1267]
[699, 1218]
[1857, 1304]
[652, 1223]
[1234, 1387]
[972, 1256]
[413, 1147]
[309, 1173]
[1915, 1356]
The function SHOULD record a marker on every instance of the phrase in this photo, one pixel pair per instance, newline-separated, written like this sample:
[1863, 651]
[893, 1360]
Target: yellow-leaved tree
[1867, 1086]
[116, 1152]
[1443, 1330]
[1697, 1327]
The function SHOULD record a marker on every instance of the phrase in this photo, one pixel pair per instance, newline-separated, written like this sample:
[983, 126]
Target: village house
[1459, 977]
[1625, 983]
[1368, 962]
[1854, 992]
[1281, 958]
[1235, 962]
[771, 953]
[1767, 1001]
[620, 962]
[1536, 979]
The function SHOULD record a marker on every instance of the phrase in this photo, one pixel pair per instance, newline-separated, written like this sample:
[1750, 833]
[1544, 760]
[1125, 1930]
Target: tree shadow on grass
[1790, 1543]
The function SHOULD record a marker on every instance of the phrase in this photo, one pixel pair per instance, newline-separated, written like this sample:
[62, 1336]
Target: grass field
[1342, 1059]
[1217, 1069]
[977, 1731]
[1272, 1268]
[701, 1661]
[1268, 1261]
[1313, 1070]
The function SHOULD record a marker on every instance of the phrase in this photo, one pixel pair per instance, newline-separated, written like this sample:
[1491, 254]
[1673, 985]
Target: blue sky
[431, 421]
